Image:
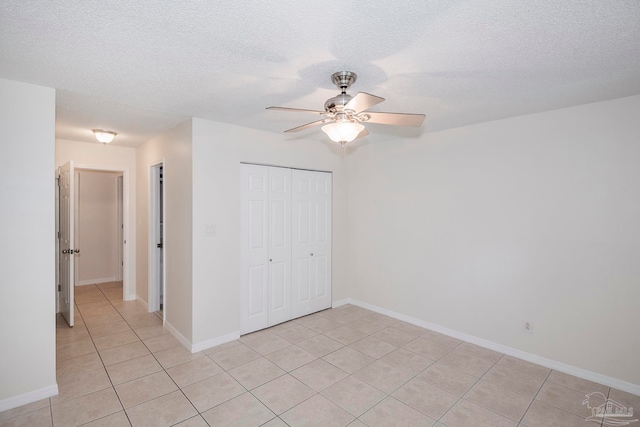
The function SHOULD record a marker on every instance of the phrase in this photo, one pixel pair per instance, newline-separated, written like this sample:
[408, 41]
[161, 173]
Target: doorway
[157, 283]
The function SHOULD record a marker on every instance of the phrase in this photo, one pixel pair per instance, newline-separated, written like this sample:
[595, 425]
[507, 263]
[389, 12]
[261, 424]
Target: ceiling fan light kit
[343, 114]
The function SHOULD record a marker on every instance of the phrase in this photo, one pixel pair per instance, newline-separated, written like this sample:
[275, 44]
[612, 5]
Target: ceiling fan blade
[362, 101]
[303, 127]
[397, 119]
[361, 134]
[296, 110]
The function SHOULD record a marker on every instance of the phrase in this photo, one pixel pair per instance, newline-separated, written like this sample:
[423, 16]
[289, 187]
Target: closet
[285, 244]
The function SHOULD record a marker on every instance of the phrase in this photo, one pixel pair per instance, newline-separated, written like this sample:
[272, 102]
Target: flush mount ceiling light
[344, 114]
[104, 136]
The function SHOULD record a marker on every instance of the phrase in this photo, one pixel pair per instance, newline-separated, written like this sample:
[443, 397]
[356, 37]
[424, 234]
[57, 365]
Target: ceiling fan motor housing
[342, 79]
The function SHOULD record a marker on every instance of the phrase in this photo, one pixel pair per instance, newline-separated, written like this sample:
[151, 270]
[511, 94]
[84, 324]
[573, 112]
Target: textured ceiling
[140, 67]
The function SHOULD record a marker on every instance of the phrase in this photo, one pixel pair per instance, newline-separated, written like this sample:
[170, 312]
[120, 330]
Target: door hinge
[59, 288]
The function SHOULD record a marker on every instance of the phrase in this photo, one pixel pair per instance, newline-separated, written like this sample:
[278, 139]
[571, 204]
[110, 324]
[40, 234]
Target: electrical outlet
[527, 327]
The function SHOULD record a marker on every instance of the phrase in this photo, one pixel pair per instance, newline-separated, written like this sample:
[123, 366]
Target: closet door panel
[321, 185]
[254, 269]
[279, 245]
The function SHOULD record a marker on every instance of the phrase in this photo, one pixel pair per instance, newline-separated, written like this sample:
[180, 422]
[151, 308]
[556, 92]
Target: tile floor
[346, 366]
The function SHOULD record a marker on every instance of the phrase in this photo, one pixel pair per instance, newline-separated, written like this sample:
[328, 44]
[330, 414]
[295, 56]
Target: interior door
[311, 242]
[279, 309]
[254, 269]
[66, 268]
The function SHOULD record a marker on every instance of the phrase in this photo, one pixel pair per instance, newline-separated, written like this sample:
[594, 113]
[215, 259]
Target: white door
[311, 242]
[254, 269]
[66, 181]
[279, 288]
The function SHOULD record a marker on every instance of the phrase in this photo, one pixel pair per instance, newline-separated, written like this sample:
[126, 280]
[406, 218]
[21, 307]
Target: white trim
[341, 302]
[96, 281]
[214, 342]
[183, 340]
[529, 357]
[28, 397]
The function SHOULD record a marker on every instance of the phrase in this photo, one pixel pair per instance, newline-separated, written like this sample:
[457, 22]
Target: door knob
[312, 254]
[270, 260]
[76, 251]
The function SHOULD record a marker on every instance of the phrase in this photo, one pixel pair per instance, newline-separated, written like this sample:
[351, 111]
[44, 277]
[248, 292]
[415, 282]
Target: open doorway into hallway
[156, 240]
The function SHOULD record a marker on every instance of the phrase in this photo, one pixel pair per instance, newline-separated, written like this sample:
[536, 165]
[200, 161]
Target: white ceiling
[141, 67]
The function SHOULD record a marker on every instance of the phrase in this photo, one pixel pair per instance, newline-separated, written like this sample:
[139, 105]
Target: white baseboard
[183, 340]
[96, 281]
[214, 342]
[529, 357]
[143, 302]
[29, 397]
[341, 302]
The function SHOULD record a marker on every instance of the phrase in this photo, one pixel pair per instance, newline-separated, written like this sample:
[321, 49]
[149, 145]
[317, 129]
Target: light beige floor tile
[133, 369]
[75, 349]
[221, 347]
[319, 324]
[576, 383]
[290, 358]
[320, 345]
[122, 353]
[38, 418]
[566, 399]
[410, 329]
[354, 309]
[213, 391]
[391, 412]
[141, 321]
[71, 335]
[319, 374]
[161, 342]
[283, 393]
[115, 340]
[74, 385]
[407, 361]
[242, 411]
[151, 331]
[106, 319]
[626, 399]
[465, 413]
[144, 389]
[543, 415]
[109, 329]
[381, 318]
[317, 411]
[341, 316]
[86, 408]
[24, 409]
[432, 345]
[523, 368]
[234, 356]
[196, 421]
[373, 347]
[296, 333]
[256, 373]
[96, 309]
[497, 399]
[367, 325]
[175, 356]
[345, 335]
[426, 398]
[466, 363]
[394, 336]
[119, 419]
[348, 359]
[448, 378]
[77, 365]
[276, 422]
[166, 410]
[353, 395]
[510, 379]
[194, 371]
[264, 343]
[478, 352]
[382, 376]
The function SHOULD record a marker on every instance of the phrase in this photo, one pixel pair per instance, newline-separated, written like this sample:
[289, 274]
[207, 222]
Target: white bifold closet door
[270, 237]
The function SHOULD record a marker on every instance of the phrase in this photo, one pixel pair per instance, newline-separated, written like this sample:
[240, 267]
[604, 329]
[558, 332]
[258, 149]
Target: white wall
[531, 218]
[113, 158]
[97, 226]
[218, 150]
[27, 243]
[175, 146]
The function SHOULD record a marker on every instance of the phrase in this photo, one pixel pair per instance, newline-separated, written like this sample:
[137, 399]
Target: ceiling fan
[344, 115]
